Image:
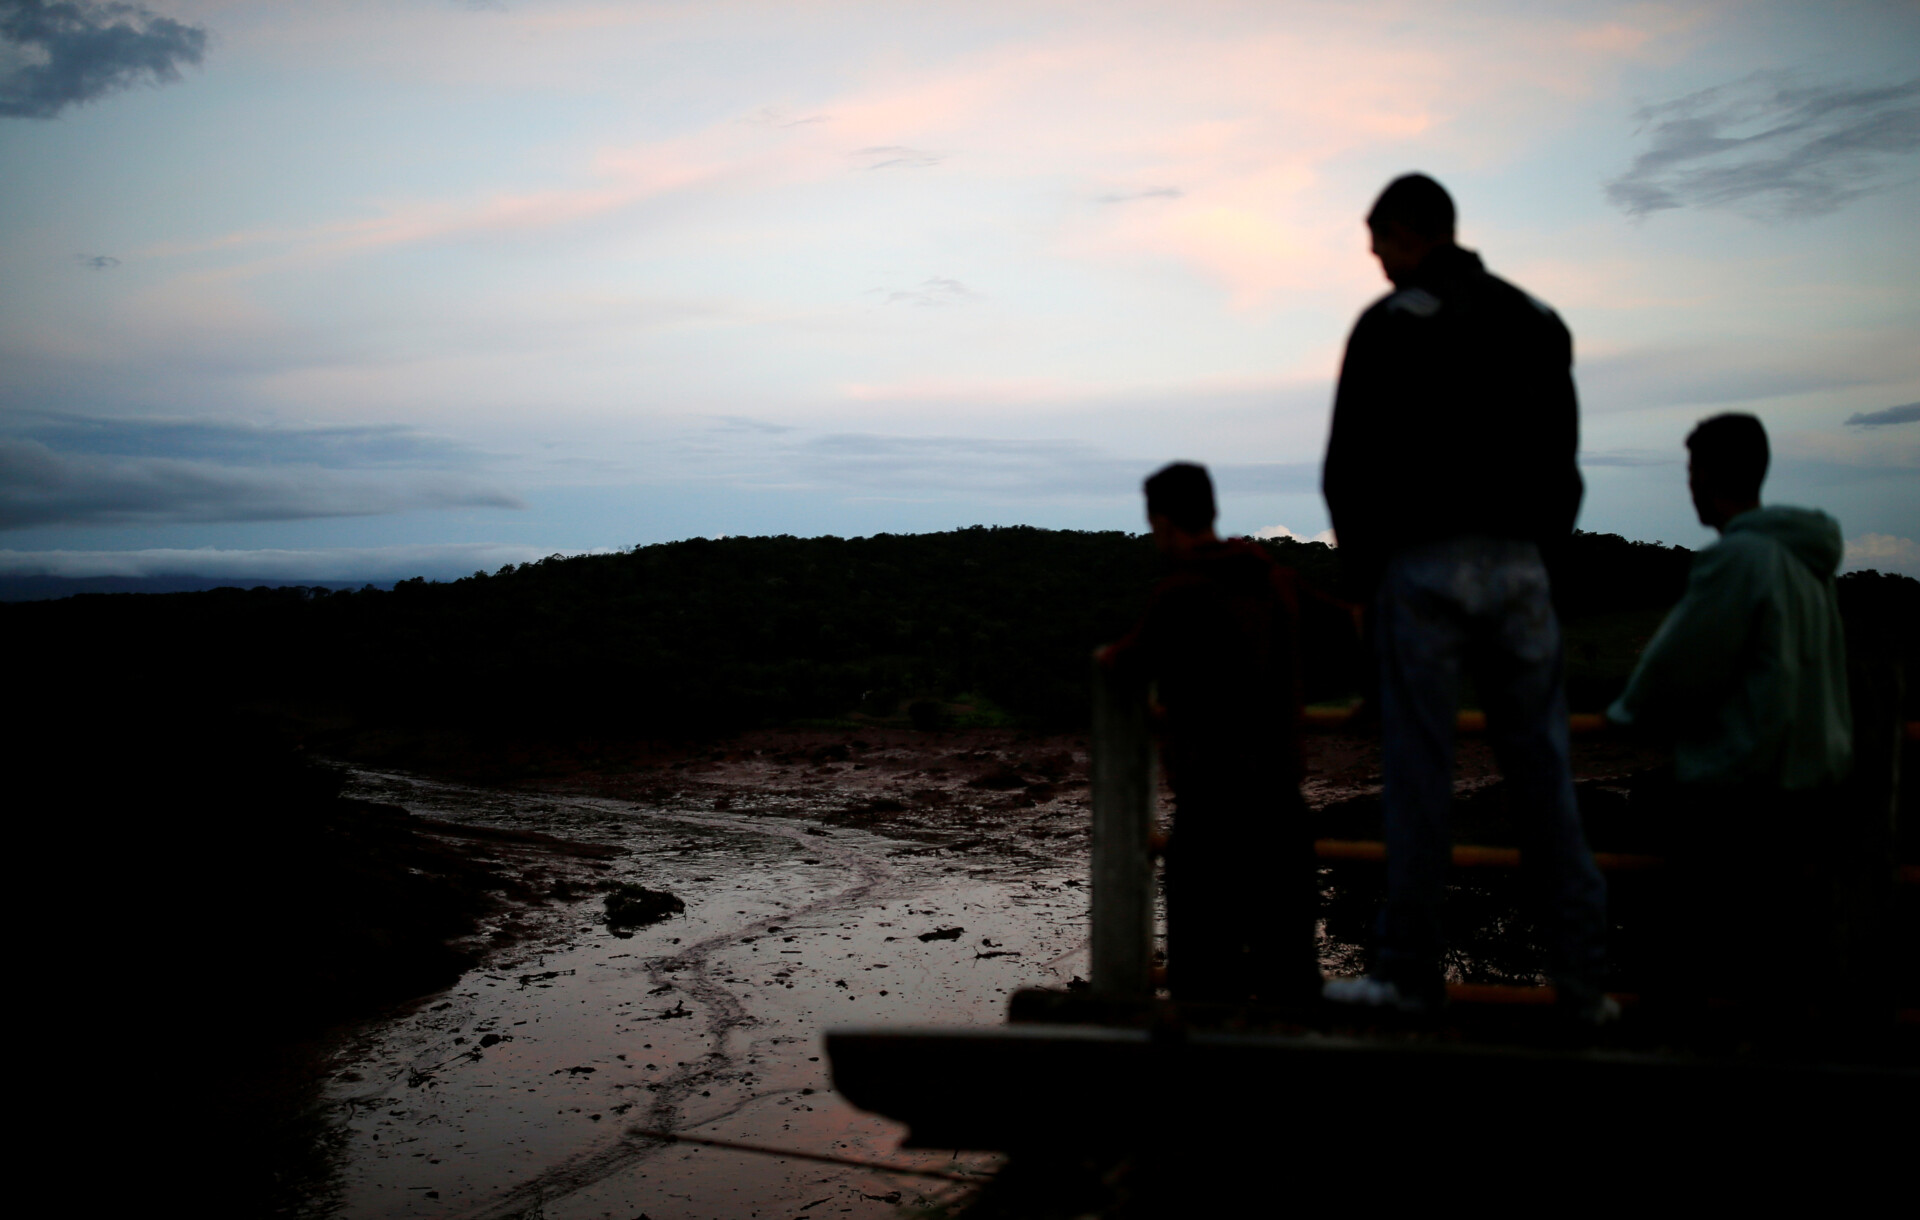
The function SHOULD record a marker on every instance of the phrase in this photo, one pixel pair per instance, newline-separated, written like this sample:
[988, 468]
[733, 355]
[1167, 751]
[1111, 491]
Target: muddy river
[829, 880]
[522, 1089]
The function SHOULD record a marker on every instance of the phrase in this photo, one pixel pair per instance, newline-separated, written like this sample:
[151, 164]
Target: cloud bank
[40, 486]
[1281, 531]
[241, 443]
[60, 469]
[1907, 414]
[1771, 146]
[60, 53]
[1885, 552]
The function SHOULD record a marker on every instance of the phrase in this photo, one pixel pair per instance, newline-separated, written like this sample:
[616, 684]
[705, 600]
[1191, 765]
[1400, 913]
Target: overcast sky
[357, 290]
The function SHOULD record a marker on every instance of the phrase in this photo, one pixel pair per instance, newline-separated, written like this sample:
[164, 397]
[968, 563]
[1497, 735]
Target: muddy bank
[830, 877]
[282, 929]
[214, 912]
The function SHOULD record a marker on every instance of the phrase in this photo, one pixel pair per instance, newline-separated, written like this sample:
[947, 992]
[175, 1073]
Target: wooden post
[1123, 801]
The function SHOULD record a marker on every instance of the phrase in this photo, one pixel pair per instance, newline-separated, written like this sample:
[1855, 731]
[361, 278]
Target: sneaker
[1369, 991]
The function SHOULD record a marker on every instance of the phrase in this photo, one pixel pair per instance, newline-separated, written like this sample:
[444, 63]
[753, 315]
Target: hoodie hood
[1811, 535]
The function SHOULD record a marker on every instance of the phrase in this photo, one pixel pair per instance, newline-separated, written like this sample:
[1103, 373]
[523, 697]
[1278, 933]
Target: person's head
[1412, 218]
[1180, 506]
[1726, 462]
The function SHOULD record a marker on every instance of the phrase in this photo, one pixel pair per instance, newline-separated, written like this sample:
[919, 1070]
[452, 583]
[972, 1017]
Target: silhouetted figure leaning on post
[1449, 469]
[1747, 677]
[1219, 637]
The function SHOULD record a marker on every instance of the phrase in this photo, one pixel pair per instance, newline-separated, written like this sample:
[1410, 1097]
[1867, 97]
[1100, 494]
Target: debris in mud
[540, 980]
[633, 906]
[943, 934]
[679, 1009]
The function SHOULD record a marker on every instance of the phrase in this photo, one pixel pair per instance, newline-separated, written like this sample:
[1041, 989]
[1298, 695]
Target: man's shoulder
[1418, 303]
[1400, 305]
[1736, 559]
[1521, 302]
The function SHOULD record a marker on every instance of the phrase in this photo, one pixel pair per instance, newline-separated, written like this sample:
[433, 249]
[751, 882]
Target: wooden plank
[1123, 786]
[1050, 1086]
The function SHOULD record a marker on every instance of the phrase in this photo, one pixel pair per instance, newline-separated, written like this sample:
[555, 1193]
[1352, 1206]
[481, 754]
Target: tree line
[704, 636]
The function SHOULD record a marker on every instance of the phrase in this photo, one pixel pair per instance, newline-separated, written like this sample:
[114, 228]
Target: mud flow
[827, 882]
[519, 1091]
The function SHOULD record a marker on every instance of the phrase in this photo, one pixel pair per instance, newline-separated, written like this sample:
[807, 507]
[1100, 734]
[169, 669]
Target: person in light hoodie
[1747, 679]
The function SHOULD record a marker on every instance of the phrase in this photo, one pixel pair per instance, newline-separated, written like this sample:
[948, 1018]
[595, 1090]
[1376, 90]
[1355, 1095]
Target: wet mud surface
[829, 879]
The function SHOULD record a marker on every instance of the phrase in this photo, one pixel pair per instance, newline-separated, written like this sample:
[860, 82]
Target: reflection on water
[517, 1091]
[521, 1090]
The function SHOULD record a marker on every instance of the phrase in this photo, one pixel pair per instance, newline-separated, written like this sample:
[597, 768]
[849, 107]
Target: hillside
[689, 638]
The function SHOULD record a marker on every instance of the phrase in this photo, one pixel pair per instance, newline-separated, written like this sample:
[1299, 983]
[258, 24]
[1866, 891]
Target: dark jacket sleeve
[1350, 479]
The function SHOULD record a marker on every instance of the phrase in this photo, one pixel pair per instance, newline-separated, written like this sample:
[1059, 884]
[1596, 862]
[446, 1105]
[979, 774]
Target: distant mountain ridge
[51, 588]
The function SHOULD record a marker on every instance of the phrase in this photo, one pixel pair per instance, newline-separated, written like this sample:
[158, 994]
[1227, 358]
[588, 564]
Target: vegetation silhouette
[240, 890]
[704, 637]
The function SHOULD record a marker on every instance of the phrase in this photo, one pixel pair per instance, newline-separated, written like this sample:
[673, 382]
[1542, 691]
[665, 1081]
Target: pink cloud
[1236, 121]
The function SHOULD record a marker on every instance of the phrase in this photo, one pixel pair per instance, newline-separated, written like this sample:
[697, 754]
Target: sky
[364, 290]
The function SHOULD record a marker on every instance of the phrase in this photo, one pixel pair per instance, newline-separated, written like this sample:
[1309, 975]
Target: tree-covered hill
[709, 635]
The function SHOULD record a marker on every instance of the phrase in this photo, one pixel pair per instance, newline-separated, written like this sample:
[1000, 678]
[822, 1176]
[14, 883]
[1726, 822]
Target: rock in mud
[634, 906]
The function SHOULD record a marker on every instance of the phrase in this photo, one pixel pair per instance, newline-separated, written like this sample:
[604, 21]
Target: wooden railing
[1125, 841]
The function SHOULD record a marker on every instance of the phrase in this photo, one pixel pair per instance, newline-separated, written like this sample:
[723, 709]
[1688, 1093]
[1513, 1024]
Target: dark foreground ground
[275, 932]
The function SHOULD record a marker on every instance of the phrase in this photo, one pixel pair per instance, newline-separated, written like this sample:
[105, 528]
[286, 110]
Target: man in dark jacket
[1219, 638]
[1449, 471]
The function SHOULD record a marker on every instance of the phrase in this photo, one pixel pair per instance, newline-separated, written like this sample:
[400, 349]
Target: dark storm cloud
[67, 52]
[40, 486]
[1907, 414]
[347, 447]
[1772, 146]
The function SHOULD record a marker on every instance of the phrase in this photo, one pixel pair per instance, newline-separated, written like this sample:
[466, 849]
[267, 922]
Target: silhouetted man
[1747, 677]
[1449, 470]
[1219, 638]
